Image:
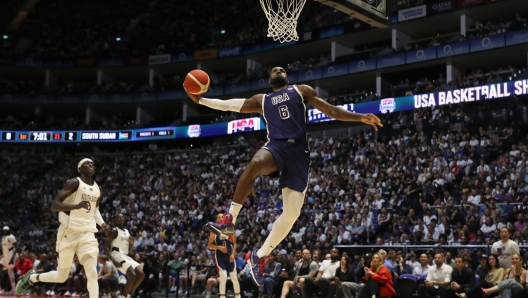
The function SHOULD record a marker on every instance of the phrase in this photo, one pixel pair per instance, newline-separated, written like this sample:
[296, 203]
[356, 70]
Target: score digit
[70, 136]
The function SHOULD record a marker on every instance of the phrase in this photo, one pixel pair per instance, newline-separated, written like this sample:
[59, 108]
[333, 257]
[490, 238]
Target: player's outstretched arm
[70, 187]
[239, 105]
[337, 113]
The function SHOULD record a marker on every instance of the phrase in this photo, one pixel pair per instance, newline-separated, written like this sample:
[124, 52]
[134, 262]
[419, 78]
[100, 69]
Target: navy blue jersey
[285, 114]
[225, 243]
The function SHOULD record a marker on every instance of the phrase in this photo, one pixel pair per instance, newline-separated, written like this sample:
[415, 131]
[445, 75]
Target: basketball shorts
[71, 242]
[8, 258]
[222, 262]
[293, 158]
[125, 261]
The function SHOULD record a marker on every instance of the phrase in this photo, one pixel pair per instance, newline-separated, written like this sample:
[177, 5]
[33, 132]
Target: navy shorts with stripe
[222, 262]
[293, 159]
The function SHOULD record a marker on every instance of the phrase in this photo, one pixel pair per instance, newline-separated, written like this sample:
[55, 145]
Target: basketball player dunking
[225, 257]
[78, 207]
[118, 246]
[284, 111]
[10, 257]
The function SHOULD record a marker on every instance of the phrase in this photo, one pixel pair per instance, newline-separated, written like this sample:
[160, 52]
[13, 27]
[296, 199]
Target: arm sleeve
[98, 218]
[448, 276]
[234, 105]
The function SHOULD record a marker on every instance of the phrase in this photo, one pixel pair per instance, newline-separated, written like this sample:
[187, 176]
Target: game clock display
[141, 134]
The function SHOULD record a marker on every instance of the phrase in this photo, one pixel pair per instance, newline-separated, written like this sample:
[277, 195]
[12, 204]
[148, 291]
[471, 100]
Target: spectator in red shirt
[377, 279]
[23, 265]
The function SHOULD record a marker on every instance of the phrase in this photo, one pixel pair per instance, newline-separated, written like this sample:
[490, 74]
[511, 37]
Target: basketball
[197, 82]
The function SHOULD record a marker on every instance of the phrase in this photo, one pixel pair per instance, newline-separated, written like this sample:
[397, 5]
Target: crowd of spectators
[146, 27]
[421, 181]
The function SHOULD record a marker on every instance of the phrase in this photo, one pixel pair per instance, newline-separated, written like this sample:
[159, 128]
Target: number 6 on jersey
[284, 113]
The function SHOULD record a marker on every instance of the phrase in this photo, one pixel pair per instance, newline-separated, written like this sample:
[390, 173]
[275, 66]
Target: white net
[282, 17]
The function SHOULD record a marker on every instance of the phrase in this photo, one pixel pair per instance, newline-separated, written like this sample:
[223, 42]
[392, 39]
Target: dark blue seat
[406, 285]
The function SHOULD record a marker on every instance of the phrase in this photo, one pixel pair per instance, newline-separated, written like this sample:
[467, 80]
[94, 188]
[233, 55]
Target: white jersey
[121, 241]
[8, 244]
[81, 219]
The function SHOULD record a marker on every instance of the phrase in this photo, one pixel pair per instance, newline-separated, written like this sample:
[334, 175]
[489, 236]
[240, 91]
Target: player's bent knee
[139, 273]
[63, 275]
[131, 274]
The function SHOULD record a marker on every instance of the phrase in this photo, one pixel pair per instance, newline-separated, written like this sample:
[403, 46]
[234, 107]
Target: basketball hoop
[282, 16]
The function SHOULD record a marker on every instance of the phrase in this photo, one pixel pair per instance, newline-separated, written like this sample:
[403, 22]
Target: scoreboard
[129, 135]
[56, 136]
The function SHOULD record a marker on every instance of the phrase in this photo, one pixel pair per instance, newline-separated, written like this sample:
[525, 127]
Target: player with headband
[78, 207]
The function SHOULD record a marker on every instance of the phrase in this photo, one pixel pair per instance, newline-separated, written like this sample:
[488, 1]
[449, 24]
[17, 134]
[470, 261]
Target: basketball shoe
[224, 228]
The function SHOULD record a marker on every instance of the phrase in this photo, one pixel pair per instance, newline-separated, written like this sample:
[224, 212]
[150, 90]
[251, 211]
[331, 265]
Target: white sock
[236, 285]
[293, 201]
[208, 295]
[234, 209]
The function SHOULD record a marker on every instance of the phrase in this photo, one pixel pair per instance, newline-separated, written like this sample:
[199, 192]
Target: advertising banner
[362, 65]
[309, 75]
[260, 84]
[243, 125]
[136, 61]
[391, 60]
[331, 31]
[171, 94]
[216, 90]
[469, 3]
[237, 88]
[261, 47]
[452, 49]
[412, 13]
[517, 37]
[487, 43]
[278, 44]
[95, 98]
[68, 99]
[120, 97]
[58, 63]
[29, 62]
[144, 96]
[109, 62]
[15, 98]
[86, 62]
[159, 59]
[205, 54]
[182, 57]
[335, 70]
[421, 55]
[441, 7]
[229, 52]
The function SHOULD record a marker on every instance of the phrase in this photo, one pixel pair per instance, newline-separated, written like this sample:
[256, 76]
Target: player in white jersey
[78, 207]
[9, 255]
[118, 245]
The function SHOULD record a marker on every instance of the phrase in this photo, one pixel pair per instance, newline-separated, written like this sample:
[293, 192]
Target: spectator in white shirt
[325, 275]
[505, 248]
[488, 225]
[482, 168]
[423, 266]
[438, 275]
[474, 198]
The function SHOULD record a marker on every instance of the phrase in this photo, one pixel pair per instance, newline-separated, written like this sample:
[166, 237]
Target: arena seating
[168, 195]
